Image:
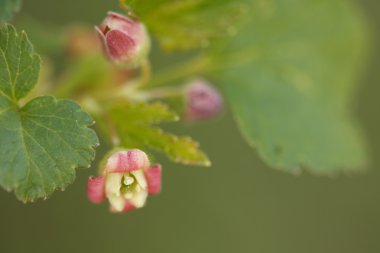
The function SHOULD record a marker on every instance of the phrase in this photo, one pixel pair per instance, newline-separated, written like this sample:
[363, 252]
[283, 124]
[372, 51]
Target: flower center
[128, 184]
[106, 29]
[128, 180]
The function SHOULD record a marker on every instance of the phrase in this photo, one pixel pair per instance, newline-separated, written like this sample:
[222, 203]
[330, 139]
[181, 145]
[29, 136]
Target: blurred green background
[238, 205]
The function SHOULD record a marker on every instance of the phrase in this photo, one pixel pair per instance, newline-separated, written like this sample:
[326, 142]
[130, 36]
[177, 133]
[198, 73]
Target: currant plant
[287, 69]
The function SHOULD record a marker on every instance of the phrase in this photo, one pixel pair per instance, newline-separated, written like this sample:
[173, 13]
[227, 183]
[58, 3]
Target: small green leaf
[133, 123]
[44, 141]
[7, 8]
[289, 75]
[189, 24]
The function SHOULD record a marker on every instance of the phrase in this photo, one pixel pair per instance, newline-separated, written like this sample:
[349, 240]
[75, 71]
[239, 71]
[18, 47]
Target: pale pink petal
[117, 162]
[113, 16]
[126, 161]
[153, 176]
[129, 207]
[102, 39]
[95, 189]
[137, 159]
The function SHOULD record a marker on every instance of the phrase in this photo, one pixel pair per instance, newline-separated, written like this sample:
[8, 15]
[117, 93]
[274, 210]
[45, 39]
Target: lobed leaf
[134, 127]
[44, 141]
[189, 24]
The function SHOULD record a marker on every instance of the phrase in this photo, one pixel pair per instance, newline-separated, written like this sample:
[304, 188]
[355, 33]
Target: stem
[127, 9]
[115, 140]
[146, 72]
[105, 123]
[192, 67]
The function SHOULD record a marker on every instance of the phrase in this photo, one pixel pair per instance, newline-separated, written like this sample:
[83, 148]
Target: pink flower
[126, 181]
[125, 41]
[203, 101]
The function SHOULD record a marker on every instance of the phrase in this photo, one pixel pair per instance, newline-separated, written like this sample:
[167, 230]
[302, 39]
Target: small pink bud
[125, 41]
[203, 101]
[126, 181]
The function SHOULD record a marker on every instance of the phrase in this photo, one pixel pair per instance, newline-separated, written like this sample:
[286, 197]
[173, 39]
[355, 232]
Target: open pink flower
[126, 181]
[125, 41]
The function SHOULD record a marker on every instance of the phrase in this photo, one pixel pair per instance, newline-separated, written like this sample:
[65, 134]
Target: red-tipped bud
[125, 41]
[153, 176]
[203, 100]
[126, 181]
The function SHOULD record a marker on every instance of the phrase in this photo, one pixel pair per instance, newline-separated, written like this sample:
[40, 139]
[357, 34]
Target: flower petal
[126, 161]
[117, 203]
[116, 162]
[102, 39]
[95, 189]
[137, 159]
[140, 177]
[113, 184]
[139, 198]
[153, 176]
[116, 21]
[120, 46]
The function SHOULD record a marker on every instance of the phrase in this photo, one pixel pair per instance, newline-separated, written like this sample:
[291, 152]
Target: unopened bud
[125, 41]
[203, 100]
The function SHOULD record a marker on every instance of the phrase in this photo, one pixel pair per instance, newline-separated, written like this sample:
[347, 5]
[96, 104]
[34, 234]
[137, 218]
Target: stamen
[128, 180]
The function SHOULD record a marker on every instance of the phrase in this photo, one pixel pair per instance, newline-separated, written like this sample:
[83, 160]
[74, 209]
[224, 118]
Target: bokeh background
[237, 205]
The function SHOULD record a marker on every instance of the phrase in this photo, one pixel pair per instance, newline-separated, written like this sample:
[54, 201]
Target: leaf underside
[289, 75]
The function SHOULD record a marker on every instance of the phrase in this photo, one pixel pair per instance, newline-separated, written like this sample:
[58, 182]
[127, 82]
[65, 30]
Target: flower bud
[126, 181]
[202, 100]
[125, 41]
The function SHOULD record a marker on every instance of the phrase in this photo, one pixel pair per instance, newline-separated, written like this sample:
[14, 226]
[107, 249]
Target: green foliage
[42, 142]
[19, 65]
[7, 8]
[288, 75]
[189, 24]
[133, 123]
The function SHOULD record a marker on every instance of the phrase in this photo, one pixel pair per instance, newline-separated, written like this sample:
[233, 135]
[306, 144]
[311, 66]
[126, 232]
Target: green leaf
[7, 8]
[133, 123]
[289, 75]
[189, 24]
[19, 65]
[42, 142]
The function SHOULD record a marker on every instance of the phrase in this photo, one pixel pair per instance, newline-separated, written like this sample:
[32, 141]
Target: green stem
[104, 122]
[191, 67]
[146, 72]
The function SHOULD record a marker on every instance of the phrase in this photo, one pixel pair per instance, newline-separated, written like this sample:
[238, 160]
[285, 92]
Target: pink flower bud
[203, 101]
[126, 181]
[125, 41]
